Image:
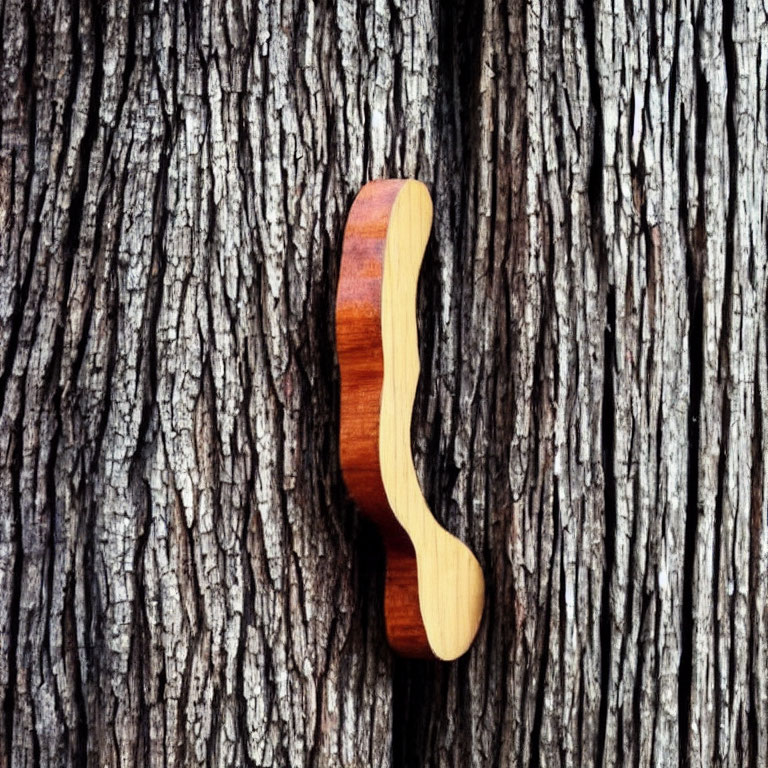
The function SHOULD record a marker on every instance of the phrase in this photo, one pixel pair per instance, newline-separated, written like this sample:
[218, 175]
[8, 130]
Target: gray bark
[182, 578]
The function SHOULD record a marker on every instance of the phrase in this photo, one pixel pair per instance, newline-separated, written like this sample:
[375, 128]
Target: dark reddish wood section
[359, 347]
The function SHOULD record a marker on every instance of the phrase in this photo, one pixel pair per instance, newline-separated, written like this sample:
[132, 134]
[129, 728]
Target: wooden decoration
[434, 585]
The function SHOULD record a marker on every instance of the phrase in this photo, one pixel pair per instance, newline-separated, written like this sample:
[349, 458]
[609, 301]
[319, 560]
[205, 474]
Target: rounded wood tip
[452, 608]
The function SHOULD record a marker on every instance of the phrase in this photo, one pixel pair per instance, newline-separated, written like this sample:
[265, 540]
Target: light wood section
[435, 589]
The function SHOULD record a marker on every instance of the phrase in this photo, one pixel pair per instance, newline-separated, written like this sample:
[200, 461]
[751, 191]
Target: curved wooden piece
[434, 585]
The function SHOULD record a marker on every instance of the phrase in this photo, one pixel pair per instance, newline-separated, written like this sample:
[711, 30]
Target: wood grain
[434, 587]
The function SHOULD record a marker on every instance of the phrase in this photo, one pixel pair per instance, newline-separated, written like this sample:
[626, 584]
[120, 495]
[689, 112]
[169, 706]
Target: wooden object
[434, 585]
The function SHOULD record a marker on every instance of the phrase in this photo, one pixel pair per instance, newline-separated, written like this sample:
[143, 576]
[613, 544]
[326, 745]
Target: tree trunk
[182, 577]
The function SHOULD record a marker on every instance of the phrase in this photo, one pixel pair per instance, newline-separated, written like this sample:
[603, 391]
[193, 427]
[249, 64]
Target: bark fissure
[609, 536]
[696, 367]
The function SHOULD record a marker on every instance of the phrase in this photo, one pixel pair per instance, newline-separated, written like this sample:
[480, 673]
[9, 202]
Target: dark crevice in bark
[695, 254]
[251, 517]
[608, 427]
[716, 565]
[755, 532]
[194, 634]
[71, 240]
[503, 658]
[113, 303]
[544, 642]
[14, 612]
[89, 294]
[155, 286]
[595, 185]
[210, 744]
[733, 579]
[459, 47]
[702, 123]
[729, 49]
[395, 162]
[637, 689]
[497, 163]
[723, 370]
[289, 565]
[35, 737]
[140, 652]
[79, 739]
[582, 699]
[193, 17]
[245, 159]
[696, 373]
[657, 643]
[602, 252]
[412, 683]
[562, 606]
[440, 473]
[93, 632]
[540, 399]
[634, 584]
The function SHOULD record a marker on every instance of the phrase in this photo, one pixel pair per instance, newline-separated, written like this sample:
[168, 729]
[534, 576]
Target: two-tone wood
[434, 585]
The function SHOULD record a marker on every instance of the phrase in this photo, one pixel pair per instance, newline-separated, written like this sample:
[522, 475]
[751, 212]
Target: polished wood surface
[434, 586]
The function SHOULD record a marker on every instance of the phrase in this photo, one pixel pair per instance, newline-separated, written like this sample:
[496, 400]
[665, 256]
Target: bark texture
[182, 579]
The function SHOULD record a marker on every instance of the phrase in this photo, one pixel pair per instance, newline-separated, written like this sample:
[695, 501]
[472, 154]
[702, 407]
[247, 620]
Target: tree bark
[182, 577]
